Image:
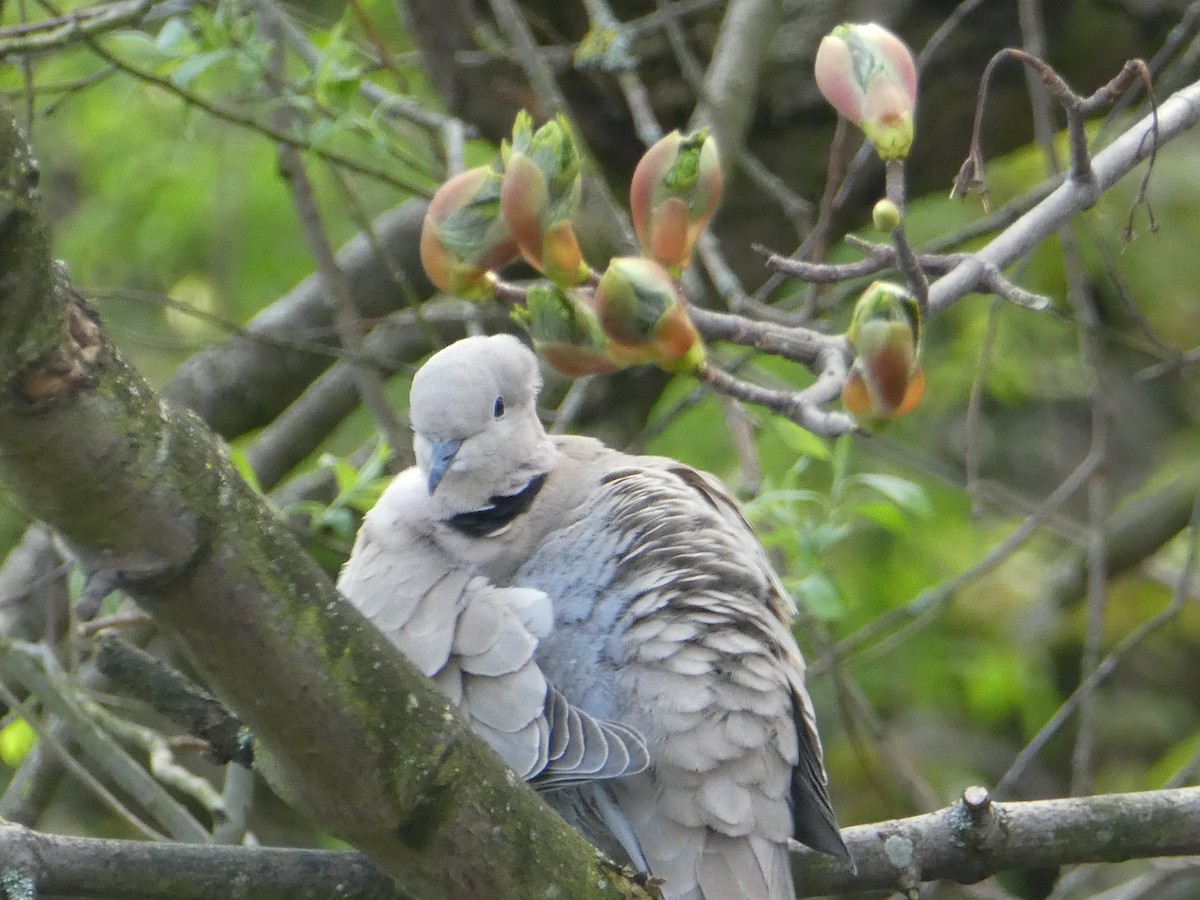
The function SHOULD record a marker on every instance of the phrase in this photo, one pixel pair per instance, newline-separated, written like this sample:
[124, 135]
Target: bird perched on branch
[610, 625]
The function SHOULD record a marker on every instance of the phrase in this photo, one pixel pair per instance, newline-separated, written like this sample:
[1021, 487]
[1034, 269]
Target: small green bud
[886, 216]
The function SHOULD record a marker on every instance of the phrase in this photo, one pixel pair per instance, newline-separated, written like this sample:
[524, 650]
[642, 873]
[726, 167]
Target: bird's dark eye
[498, 409]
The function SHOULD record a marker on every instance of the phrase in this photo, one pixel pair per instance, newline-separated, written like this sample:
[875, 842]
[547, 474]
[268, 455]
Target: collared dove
[610, 625]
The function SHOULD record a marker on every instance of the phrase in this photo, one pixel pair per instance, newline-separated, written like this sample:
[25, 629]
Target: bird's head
[476, 433]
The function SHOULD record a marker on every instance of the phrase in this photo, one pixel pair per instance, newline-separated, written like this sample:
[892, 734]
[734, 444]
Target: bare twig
[171, 695]
[49, 737]
[388, 103]
[976, 837]
[370, 385]
[161, 759]
[1096, 675]
[902, 619]
[798, 406]
[64, 29]
[1078, 109]
[905, 258]
[35, 667]
[1175, 115]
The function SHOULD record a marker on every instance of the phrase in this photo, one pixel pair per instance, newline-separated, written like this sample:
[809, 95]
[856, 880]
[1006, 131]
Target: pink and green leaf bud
[565, 330]
[540, 196]
[673, 194]
[868, 75]
[642, 311]
[464, 237]
[886, 380]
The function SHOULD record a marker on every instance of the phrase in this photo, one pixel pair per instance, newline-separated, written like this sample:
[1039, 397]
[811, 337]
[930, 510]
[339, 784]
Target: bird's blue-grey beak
[441, 455]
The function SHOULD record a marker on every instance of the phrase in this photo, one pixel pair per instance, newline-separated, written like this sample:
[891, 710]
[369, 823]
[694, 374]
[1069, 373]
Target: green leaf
[821, 537]
[139, 48]
[241, 462]
[310, 509]
[194, 66]
[1177, 757]
[800, 440]
[344, 474]
[885, 515]
[340, 521]
[904, 493]
[787, 495]
[367, 494]
[778, 538]
[841, 465]
[819, 595]
[175, 38]
[340, 91]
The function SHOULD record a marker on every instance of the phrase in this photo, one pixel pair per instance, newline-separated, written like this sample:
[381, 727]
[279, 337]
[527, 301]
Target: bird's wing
[815, 824]
[585, 749]
[665, 579]
[477, 642]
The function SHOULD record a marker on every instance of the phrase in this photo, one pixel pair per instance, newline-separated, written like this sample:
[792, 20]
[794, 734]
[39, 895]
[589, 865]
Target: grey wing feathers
[704, 665]
[815, 824]
[583, 748]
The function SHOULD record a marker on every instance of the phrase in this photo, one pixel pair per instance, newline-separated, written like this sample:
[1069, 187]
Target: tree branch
[1176, 114]
[965, 842]
[139, 870]
[974, 838]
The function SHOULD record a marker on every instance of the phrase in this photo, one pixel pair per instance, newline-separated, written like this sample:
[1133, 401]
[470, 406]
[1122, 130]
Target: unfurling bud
[674, 192]
[464, 237]
[540, 196]
[565, 330]
[868, 75]
[886, 215]
[643, 314]
[886, 380]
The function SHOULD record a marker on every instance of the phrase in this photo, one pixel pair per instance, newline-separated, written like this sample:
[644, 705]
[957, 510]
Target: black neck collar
[499, 513]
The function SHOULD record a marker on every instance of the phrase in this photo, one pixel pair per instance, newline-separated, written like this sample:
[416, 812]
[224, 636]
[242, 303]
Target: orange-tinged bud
[565, 330]
[868, 75]
[540, 196]
[674, 192]
[464, 237]
[562, 260]
[642, 311]
[886, 380]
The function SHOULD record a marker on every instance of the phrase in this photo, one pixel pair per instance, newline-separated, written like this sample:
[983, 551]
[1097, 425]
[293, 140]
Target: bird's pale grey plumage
[609, 623]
